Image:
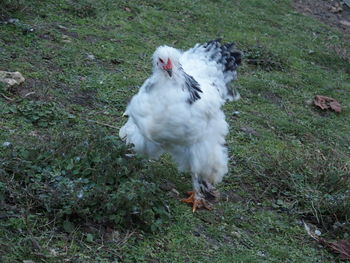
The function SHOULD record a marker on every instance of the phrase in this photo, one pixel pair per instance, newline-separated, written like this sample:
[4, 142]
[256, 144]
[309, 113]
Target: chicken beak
[170, 72]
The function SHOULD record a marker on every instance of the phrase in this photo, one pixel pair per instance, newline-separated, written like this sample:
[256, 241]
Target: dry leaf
[127, 9]
[342, 247]
[325, 103]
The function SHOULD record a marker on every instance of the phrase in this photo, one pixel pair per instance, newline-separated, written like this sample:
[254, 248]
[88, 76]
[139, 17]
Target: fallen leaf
[341, 247]
[127, 9]
[325, 103]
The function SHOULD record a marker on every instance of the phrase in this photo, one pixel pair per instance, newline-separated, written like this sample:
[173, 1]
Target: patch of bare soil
[332, 12]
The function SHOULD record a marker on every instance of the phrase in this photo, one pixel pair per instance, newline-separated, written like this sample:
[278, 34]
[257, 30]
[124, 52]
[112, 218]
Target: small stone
[175, 192]
[236, 234]
[91, 57]
[13, 20]
[62, 27]
[6, 144]
[167, 185]
[261, 254]
[66, 39]
[53, 252]
[215, 247]
[250, 131]
[80, 194]
[336, 9]
[344, 22]
[309, 102]
[11, 78]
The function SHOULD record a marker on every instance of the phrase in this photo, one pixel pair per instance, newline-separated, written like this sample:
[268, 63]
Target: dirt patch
[231, 196]
[33, 89]
[273, 97]
[84, 98]
[264, 59]
[332, 12]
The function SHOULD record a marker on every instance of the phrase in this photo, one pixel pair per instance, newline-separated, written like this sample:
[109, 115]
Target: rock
[66, 39]
[174, 193]
[13, 21]
[344, 22]
[250, 131]
[11, 78]
[90, 57]
[230, 195]
[62, 27]
[6, 144]
[336, 9]
[167, 186]
[318, 232]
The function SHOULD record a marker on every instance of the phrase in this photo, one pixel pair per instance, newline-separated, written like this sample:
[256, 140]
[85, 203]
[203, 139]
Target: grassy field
[68, 193]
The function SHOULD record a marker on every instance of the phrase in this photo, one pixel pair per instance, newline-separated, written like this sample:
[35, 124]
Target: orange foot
[195, 202]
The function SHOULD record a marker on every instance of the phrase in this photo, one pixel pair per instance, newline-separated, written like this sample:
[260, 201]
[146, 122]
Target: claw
[196, 203]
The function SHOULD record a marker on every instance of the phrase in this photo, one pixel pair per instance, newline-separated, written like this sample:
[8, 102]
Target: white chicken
[178, 110]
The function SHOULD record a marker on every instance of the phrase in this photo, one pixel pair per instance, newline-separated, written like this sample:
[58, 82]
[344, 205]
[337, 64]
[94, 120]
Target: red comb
[168, 65]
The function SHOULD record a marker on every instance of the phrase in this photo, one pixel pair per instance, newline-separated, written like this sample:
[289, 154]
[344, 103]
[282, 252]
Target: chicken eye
[161, 60]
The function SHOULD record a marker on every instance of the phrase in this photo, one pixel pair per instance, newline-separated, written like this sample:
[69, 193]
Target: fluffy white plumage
[178, 110]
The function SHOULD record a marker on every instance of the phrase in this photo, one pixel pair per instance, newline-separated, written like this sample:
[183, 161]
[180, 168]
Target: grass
[83, 61]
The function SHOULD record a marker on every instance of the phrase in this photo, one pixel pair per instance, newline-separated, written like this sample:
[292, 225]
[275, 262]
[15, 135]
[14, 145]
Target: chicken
[178, 110]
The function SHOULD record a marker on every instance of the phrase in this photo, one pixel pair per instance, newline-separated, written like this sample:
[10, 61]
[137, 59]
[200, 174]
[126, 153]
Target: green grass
[289, 161]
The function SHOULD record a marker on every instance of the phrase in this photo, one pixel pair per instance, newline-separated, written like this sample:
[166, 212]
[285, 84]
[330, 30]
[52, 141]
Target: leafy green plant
[315, 189]
[43, 114]
[82, 9]
[263, 58]
[84, 180]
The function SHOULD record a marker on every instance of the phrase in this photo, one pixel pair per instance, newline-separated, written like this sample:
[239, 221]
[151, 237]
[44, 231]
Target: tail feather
[225, 58]
[225, 54]
[229, 58]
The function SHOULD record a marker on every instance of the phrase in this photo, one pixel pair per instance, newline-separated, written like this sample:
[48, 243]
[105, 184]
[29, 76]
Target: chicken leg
[201, 193]
[196, 202]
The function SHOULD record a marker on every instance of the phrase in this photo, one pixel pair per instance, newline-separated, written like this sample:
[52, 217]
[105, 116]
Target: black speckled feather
[193, 88]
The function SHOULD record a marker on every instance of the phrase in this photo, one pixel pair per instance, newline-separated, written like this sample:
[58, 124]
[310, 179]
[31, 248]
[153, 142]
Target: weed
[43, 114]
[82, 9]
[261, 57]
[78, 180]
